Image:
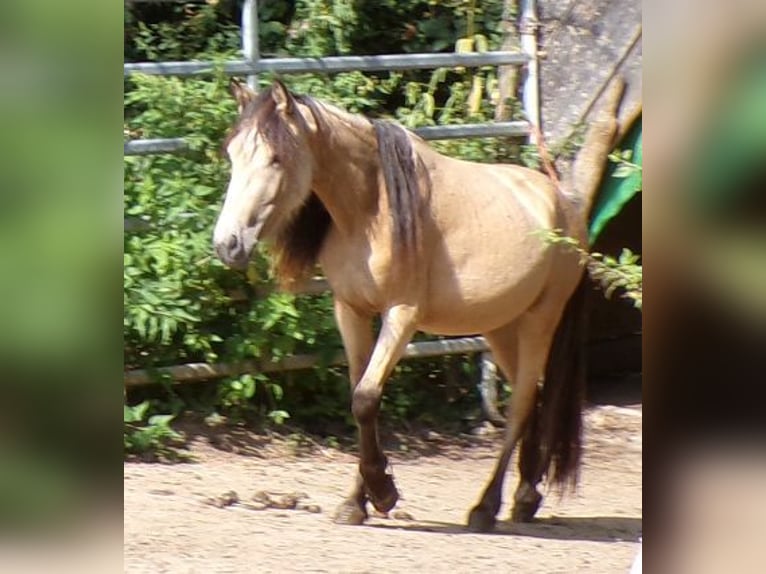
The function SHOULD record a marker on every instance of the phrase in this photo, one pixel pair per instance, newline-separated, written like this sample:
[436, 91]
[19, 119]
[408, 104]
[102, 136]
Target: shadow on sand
[590, 528]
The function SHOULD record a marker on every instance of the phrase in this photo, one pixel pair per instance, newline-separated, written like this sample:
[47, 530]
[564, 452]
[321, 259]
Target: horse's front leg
[356, 331]
[397, 328]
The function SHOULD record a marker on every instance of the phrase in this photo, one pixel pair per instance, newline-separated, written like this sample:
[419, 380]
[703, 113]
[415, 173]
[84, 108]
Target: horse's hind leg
[356, 332]
[527, 499]
[521, 349]
[504, 345]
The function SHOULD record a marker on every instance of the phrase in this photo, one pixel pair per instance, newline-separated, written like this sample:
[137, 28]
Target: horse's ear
[242, 93]
[282, 97]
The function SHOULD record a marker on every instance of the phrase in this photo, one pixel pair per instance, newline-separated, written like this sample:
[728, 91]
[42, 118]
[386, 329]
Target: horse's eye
[275, 160]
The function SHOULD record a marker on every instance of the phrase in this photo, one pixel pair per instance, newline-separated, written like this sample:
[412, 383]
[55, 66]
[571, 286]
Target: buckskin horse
[427, 242]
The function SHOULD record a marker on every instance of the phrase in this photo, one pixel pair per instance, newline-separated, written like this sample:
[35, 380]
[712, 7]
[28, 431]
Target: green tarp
[616, 191]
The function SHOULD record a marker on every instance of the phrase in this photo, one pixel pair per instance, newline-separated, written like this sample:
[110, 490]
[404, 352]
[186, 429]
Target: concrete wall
[584, 43]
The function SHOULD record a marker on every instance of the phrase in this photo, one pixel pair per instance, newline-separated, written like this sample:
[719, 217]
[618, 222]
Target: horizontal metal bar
[134, 224]
[200, 371]
[313, 286]
[153, 146]
[331, 64]
[496, 129]
[457, 346]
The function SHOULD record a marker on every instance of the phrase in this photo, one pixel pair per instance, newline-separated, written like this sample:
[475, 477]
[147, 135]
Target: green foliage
[177, 31]
[623, 274]
[143, 433]
[625, 168]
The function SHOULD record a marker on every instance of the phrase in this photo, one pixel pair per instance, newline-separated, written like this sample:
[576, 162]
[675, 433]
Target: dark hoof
[481, 520]
[383, 493]
[350, 513]
[525, 510]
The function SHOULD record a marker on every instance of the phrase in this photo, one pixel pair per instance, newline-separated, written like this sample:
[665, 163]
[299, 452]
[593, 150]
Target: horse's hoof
[525, 510]
[381, 492]
[389, 498]
[350, 513]
[480, 520]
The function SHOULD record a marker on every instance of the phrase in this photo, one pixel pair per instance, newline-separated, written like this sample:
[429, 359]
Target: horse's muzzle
[233, 252]
[234, 243]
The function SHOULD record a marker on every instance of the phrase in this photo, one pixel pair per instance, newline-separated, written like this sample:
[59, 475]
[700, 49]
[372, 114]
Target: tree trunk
[508, 76]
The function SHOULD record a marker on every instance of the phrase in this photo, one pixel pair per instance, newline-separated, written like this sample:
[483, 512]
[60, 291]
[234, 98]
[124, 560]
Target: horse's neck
[346, 169]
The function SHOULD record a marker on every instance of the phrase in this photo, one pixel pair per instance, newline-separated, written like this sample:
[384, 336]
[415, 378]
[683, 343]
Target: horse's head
[271, 168]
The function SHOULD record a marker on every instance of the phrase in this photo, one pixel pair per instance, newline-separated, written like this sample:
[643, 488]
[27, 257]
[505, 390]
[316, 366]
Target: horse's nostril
[231, 245]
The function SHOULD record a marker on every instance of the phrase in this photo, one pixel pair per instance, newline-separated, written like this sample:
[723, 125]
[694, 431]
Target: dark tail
[558, 420]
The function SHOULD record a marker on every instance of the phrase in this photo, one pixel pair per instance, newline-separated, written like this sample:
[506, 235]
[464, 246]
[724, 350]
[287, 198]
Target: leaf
[439, 45]
[279, 416]
[623, 171]
[154, 327]
[464, 45]
[167, 329]
[474, 98]
[412, 93]
[160, 420]
[135, 413]
[182, 314]
[438, 76]
[428, 104]
[482, 44]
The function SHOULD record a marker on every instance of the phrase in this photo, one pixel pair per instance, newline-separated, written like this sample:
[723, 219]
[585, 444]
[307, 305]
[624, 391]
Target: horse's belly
[461, 318]
[481, 303]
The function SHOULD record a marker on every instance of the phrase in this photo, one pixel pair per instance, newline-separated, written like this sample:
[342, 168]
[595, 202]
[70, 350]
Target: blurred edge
[707, 374]
[705, 313]
[60, 241]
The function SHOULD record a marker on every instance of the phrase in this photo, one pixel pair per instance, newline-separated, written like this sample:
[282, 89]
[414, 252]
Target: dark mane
[298, 245]
[400, 171]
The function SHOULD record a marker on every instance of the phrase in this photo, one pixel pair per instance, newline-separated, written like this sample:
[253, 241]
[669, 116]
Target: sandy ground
[171, 527]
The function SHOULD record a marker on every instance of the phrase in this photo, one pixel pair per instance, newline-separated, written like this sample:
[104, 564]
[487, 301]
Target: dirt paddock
[171, 525]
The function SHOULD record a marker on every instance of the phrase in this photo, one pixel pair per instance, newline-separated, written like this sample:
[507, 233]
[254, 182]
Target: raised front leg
[356, 332]
[397, 329]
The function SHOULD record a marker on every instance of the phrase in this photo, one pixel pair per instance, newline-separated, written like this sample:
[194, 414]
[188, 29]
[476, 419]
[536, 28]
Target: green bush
[154, 435]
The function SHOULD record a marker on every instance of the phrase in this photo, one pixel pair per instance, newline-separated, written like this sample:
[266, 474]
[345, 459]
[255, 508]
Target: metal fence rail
[502, 129]
[334, 64]
[192, 372]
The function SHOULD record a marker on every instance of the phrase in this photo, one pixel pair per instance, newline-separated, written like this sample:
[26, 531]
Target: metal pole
[488, 390]
[531, 95]
[250, 38]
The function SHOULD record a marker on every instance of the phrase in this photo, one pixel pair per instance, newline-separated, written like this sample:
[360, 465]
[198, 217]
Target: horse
[428, 243]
